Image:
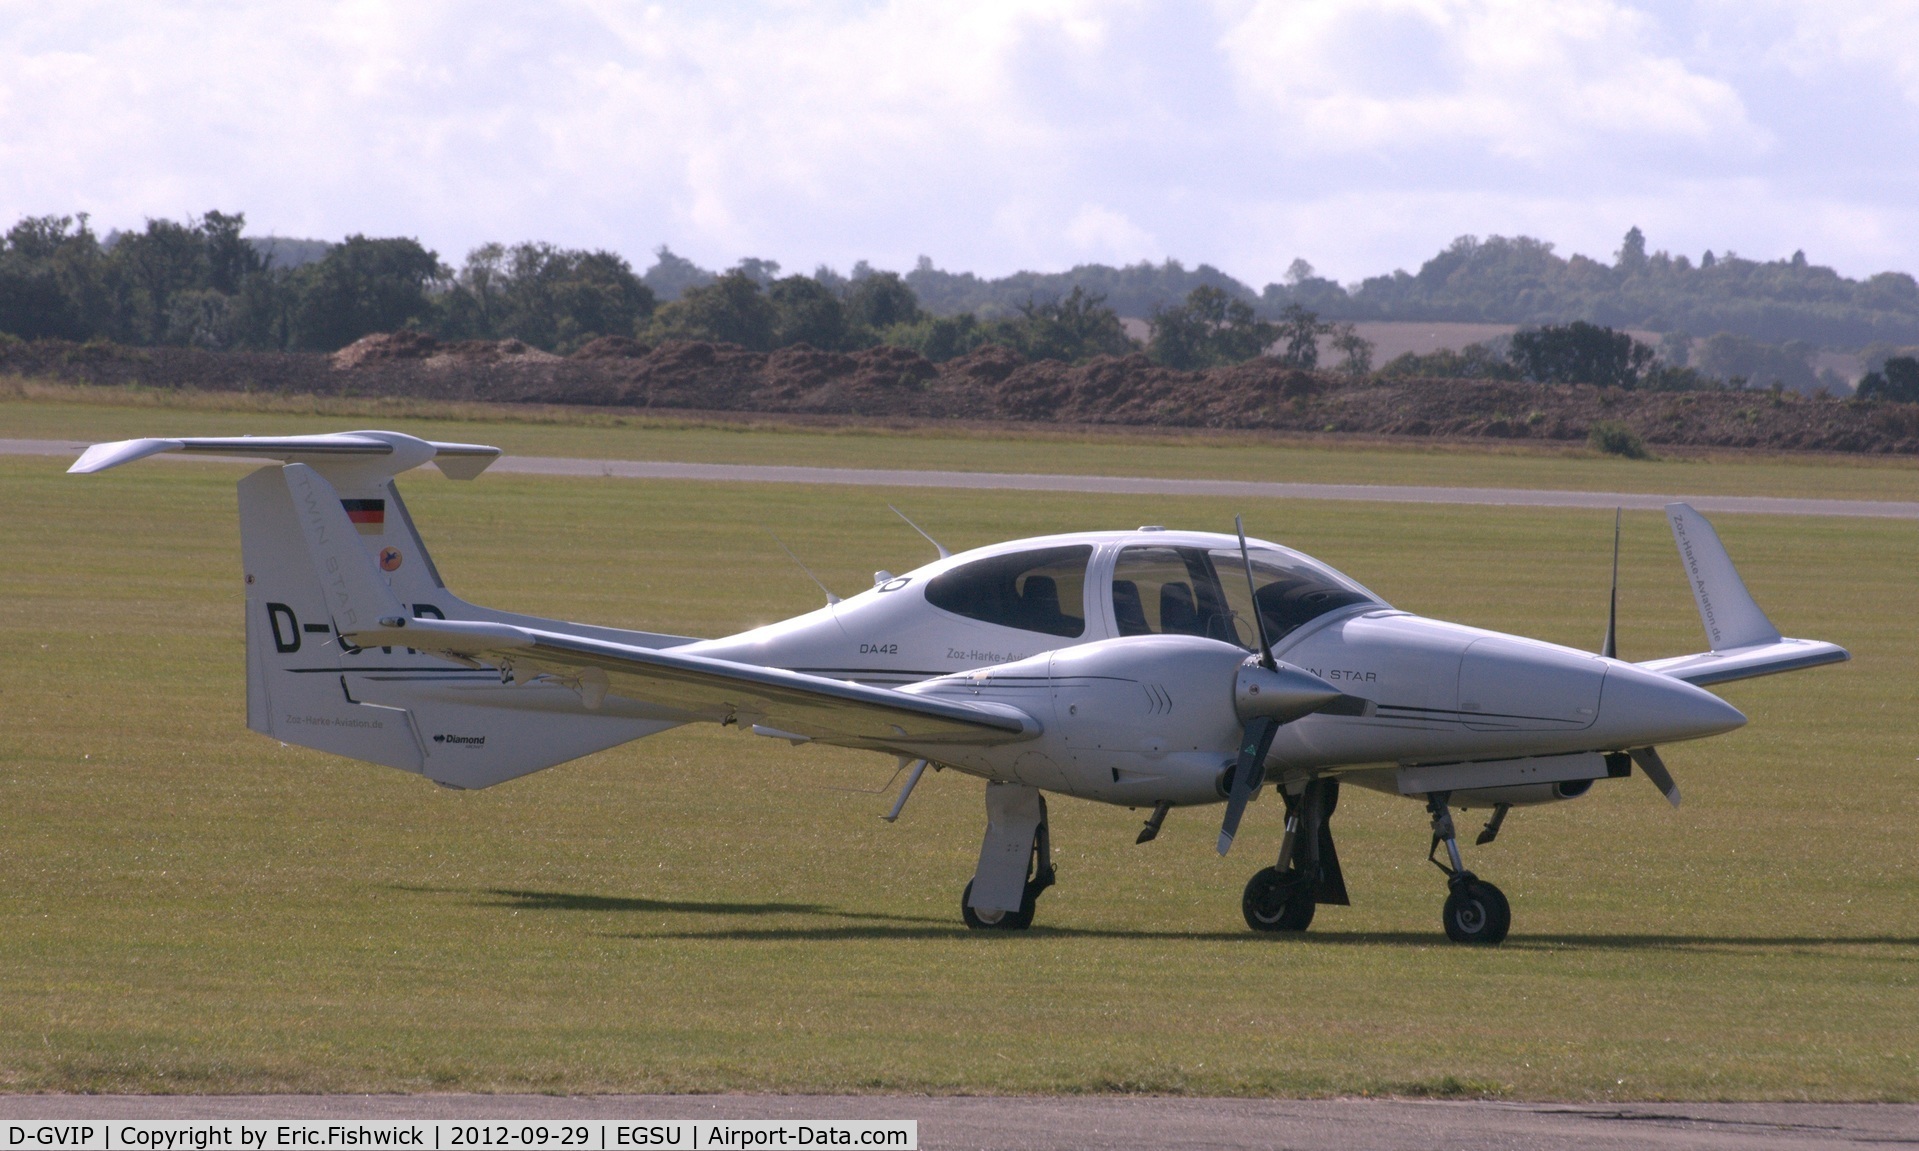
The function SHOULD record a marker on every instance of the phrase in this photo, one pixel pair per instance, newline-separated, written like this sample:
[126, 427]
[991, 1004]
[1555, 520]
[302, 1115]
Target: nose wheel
[1475, 911]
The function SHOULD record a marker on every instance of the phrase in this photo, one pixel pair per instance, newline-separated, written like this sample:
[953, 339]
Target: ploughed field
[188, 906]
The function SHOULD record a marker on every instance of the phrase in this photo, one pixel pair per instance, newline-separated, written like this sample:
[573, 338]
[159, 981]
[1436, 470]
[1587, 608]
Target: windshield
[1195, 591]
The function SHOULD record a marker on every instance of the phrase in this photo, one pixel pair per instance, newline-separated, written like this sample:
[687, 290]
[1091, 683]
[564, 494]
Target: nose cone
[1284, 693]
[1638, 708]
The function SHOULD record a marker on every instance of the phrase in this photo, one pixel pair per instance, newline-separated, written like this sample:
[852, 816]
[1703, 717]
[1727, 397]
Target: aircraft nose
[1638, 708]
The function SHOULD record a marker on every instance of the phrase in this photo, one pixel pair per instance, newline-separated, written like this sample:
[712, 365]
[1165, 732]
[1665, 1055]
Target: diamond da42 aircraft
[1150, 668]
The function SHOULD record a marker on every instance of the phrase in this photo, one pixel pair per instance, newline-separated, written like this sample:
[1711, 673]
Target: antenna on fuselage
[831, 599]
[1610, 649]
[944, 554]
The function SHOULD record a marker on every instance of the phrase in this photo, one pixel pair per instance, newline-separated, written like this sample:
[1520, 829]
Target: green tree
[730, 310]
[1076, 328]
[940, 338]
[551, 297]
[808, 312]
[1631, 256]
[1357, 350]
[362, 286]
[1473, 362]
[1300, 328]
[231, 260]
[1897, 381]
[1580, 353]
[879, 300]
[150, 268]
[36, 300]
[1211, 328]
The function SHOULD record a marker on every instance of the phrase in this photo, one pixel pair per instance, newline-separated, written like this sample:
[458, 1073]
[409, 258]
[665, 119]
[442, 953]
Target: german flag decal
[367, 515]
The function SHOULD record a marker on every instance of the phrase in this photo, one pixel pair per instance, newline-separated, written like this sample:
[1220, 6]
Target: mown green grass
[187, 906]
[42, 411]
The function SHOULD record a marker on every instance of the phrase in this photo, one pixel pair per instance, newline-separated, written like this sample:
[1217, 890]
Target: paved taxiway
[1113, 1124]
[1134, 485]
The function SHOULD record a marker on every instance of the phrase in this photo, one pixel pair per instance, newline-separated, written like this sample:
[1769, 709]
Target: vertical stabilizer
[1732, 618]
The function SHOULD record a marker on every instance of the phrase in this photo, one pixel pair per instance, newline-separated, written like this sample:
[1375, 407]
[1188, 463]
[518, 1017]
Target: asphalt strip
[1249, 490]
[1125, 1123]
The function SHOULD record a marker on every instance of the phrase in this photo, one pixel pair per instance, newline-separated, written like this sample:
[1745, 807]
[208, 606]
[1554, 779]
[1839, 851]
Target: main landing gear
[1015, 861]
[1283, 897]
[1476, 911]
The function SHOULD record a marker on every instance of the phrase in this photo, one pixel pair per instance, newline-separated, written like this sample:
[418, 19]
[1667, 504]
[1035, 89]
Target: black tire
[1477, 912]
[1008, 921]
[1278, 901]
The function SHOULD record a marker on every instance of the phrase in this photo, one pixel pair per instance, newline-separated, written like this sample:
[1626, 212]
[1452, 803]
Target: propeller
[1655, 768]
[1646, 757]
[1266, 695]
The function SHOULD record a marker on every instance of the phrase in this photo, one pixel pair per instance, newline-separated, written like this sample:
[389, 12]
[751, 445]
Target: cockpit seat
[1178, 614]
[1128, 611]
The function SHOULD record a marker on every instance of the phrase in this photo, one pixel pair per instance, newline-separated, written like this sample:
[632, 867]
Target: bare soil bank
[994, 384]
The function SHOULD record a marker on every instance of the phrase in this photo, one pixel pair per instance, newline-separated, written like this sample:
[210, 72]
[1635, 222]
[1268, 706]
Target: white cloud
[1100, 233]
[1362, 134]
[1533, 82]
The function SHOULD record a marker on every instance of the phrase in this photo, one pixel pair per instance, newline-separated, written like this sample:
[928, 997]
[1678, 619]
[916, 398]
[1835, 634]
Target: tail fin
[328, 545]
[1744, 642]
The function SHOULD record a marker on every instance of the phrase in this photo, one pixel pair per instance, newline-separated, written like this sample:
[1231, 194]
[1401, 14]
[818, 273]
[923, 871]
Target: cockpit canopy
[1154, 589]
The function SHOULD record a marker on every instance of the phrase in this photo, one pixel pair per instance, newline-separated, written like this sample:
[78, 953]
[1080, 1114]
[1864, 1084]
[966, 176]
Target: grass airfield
[188, 906]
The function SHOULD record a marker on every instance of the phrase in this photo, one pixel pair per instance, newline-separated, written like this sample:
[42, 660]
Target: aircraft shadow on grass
[878, 925]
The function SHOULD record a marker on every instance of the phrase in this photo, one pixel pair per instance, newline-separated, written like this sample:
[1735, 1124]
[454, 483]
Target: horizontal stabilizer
[393, 452]
[1712, 667]
[689, 687]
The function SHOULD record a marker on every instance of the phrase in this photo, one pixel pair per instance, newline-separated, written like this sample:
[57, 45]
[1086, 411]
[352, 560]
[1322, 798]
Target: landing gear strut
[1283, 897]
[1476, 911]
[1016, 861]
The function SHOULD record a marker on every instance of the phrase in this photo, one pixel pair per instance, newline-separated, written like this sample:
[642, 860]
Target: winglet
[356, 595]
[1732, 618]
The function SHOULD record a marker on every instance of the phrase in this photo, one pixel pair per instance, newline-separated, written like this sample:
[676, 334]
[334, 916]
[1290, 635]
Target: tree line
[202, 283]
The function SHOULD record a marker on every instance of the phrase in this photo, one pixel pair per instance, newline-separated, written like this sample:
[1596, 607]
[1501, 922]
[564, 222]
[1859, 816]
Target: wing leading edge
[695, 688]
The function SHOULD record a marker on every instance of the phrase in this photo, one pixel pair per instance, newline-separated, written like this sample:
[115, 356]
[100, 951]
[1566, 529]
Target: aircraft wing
[692, 688]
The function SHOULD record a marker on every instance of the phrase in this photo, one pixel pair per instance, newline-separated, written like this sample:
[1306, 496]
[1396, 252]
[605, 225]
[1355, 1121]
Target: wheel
[1477, 912]
[1001, 920]
[1278, 901]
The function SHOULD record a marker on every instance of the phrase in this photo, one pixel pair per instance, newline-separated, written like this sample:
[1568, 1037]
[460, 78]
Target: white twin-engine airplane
[1149, 668]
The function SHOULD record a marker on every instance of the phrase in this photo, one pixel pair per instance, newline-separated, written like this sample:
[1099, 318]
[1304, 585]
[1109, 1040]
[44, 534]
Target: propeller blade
[1249, 772]
[1259, 619]
[1655, 768]
[1611, 647]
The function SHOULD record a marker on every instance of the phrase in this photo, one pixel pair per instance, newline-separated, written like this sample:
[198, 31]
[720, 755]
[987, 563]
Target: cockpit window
[1160, 590]
[1042, 591]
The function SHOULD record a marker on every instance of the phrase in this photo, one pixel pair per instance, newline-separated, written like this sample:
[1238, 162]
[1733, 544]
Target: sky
[1359, 135]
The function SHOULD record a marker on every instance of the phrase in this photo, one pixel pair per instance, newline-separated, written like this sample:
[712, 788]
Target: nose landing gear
[1476, 911]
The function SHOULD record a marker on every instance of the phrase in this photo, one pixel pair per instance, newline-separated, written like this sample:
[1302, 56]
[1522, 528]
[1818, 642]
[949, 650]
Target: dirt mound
[402, 345]
[990, 384]
[612, 348]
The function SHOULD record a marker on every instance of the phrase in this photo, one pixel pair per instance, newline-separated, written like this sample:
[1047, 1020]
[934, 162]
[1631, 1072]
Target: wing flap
[695, 688]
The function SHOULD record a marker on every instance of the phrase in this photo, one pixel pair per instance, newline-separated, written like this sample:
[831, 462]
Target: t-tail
[328, 547]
